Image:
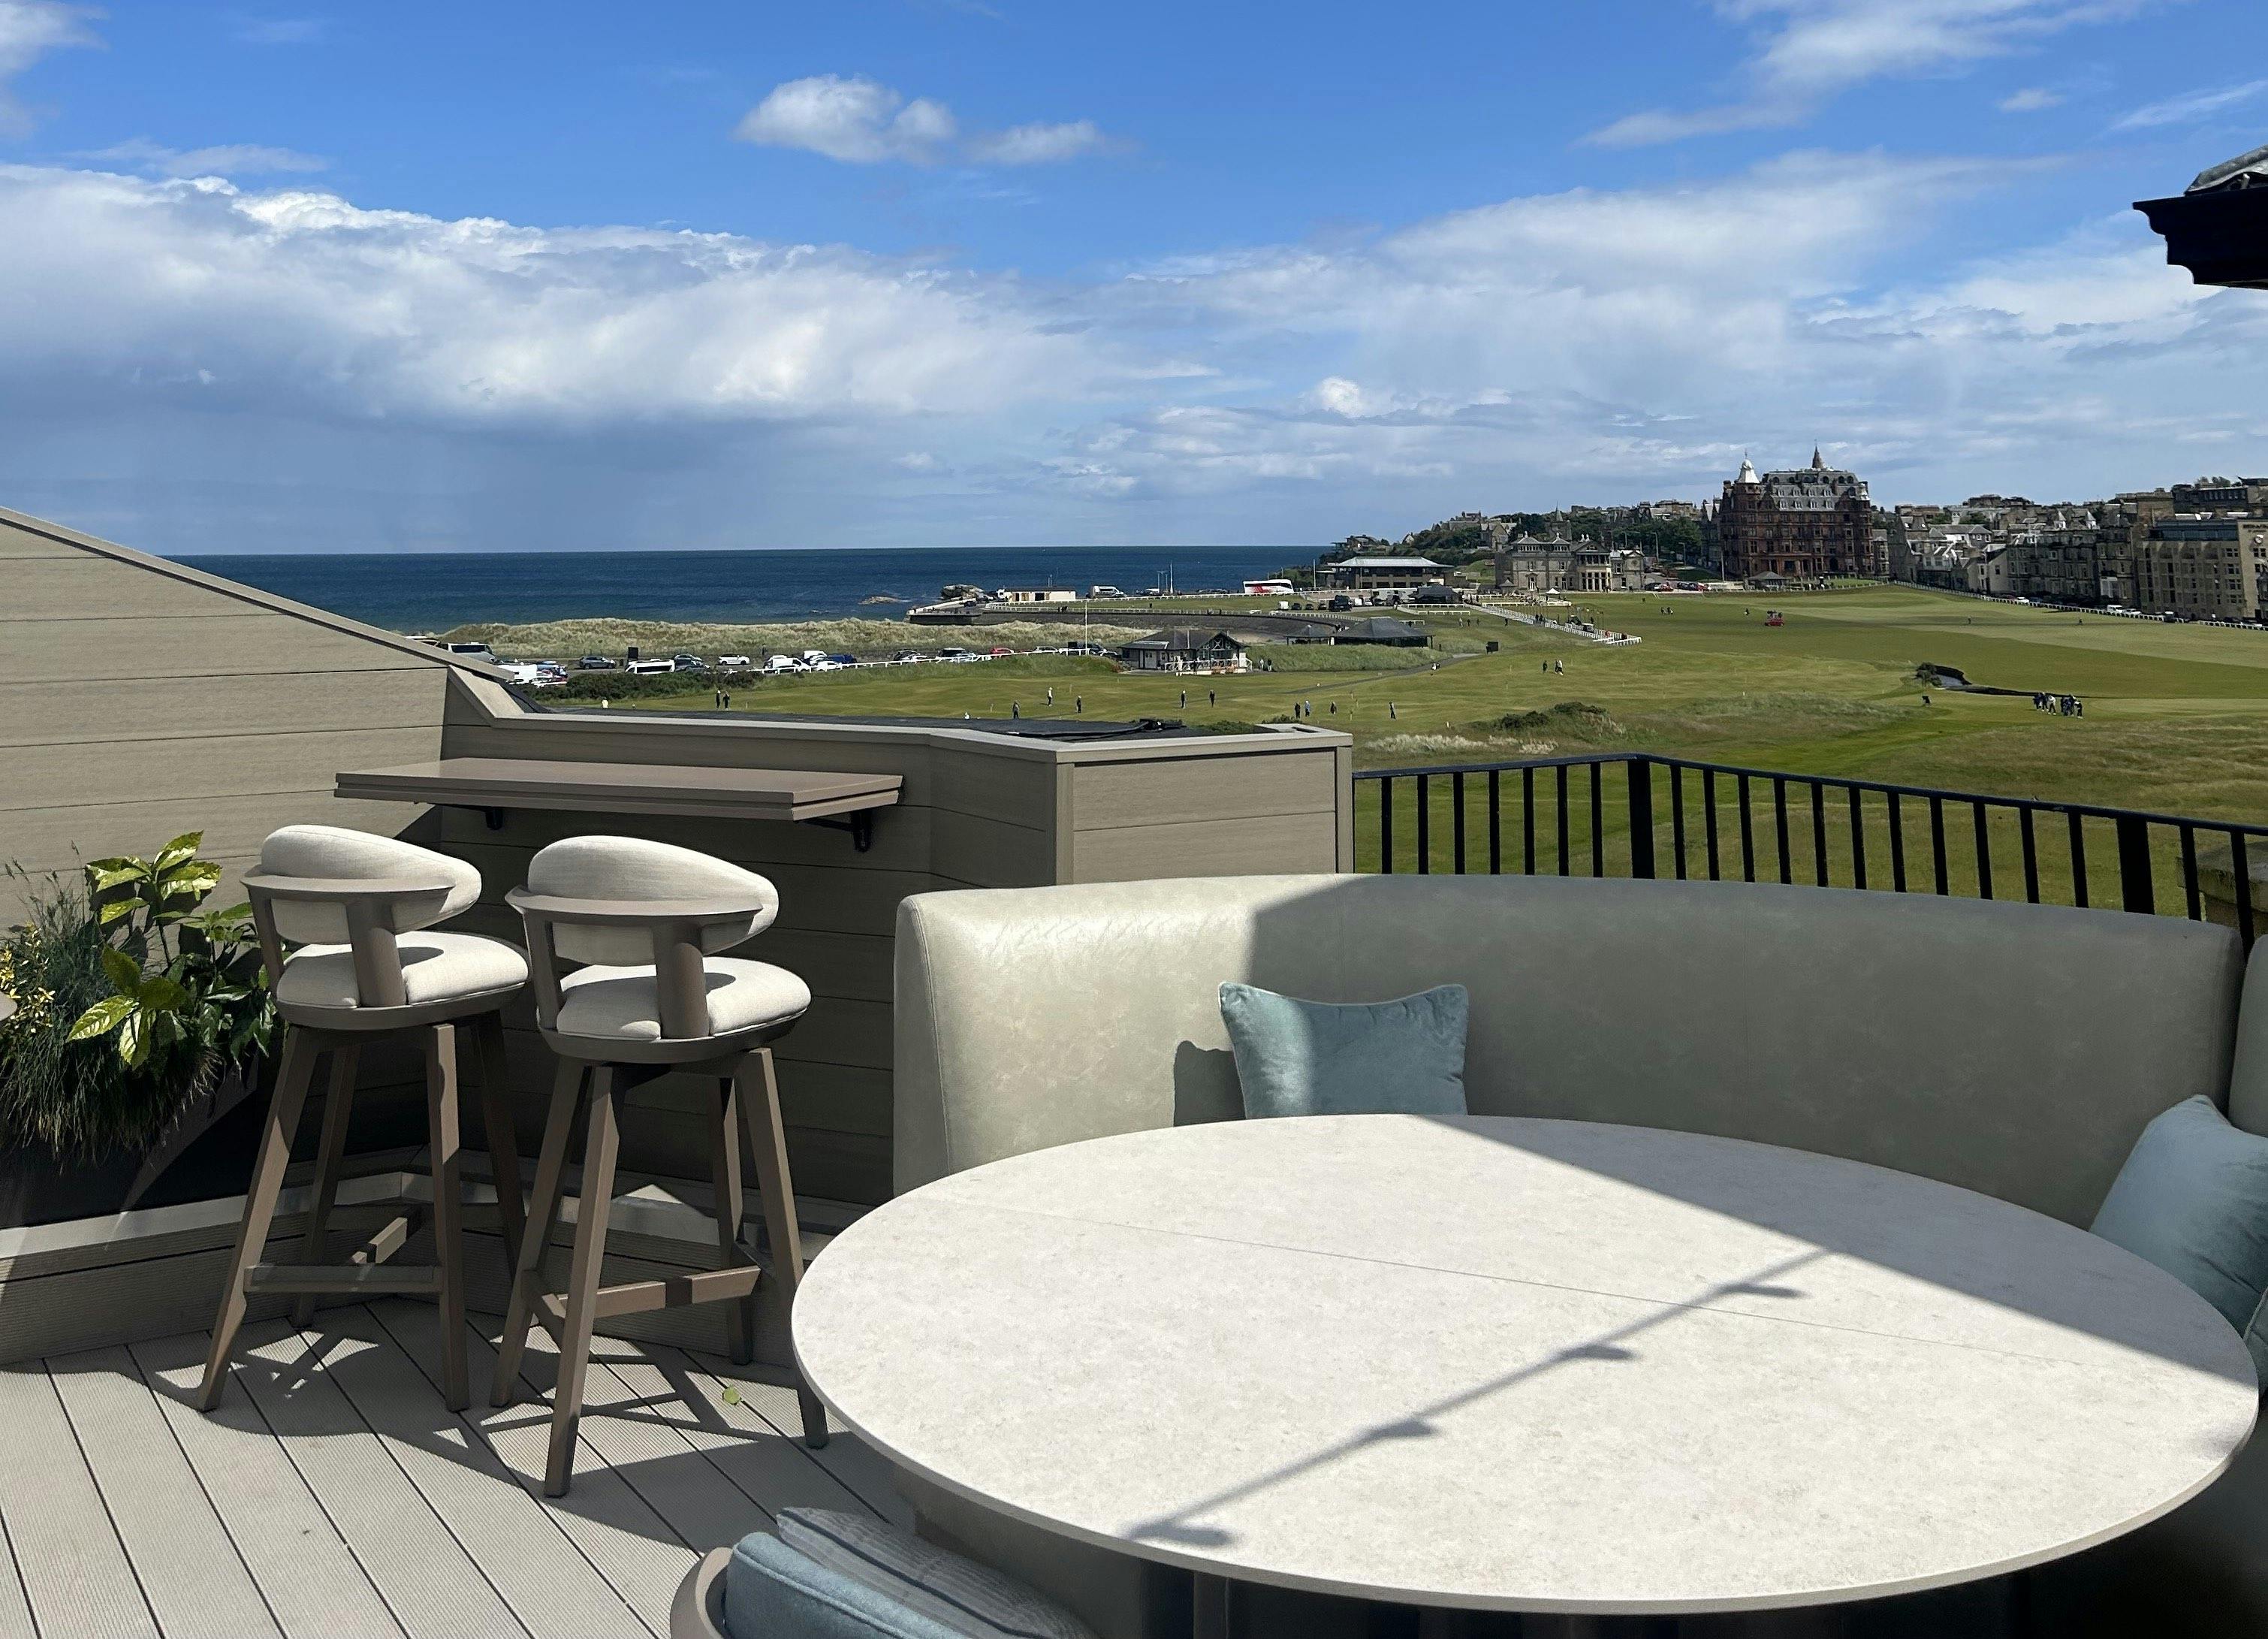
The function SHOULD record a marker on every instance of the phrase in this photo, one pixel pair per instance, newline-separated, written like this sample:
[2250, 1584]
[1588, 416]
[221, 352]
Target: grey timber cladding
[139, 700]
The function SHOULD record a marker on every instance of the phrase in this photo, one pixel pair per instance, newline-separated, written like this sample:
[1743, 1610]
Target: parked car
[955, 655]
[914, 657]
[594, 662]
[780, 665]
[689, 662]
[844, 659]
[735, 662]
[823, 663]
[998, 653]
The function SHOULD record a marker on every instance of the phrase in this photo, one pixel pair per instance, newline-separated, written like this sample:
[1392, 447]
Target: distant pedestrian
[1924, 698]
[1079, 704]
[2078, 707]
[1015, 710]
[1335, 708]
[1559, 667]
[1213, 697]
[1392, 712]
[1051, 697]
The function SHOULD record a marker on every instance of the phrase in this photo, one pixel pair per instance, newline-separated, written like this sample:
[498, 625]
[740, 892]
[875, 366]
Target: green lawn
[2176, 716]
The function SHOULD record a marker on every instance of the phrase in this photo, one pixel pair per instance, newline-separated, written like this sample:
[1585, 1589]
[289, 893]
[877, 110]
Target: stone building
[1560, 565]
[1808, 524]
[2058, 562]
[2204, 568]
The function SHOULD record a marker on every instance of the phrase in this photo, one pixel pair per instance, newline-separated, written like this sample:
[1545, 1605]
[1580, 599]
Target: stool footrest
[390, 1239]
[638, 1297]
[361, 1278]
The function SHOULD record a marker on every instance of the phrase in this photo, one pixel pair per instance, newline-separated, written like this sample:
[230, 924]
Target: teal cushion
[1296, 1058]
[2193, 1198]
[771, 1591]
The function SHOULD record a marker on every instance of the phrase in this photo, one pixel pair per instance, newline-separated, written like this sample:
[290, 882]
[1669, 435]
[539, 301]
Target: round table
[1543, 1366]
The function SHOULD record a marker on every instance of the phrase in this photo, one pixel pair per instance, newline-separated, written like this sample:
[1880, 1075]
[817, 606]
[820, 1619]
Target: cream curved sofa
[2015, 1049]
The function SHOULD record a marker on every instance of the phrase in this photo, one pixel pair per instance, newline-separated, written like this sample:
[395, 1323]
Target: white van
[470, 650]
[780, 664]
[650, 668]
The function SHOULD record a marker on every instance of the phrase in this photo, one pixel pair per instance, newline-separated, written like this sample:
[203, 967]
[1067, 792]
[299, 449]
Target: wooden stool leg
[542, 1221]
[297, 1069]
[725, 1175]
[759, 1115]
[504, 1144]
[592, 1205]
[338, 1103]
[448, 1245]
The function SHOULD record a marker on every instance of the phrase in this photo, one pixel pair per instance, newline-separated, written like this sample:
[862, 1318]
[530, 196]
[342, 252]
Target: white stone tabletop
[1512, 1364]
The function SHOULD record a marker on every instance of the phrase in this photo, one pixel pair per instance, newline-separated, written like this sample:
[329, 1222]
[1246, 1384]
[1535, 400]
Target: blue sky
[944, 271]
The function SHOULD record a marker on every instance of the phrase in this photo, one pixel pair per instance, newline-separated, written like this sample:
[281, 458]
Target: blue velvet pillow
[1296, 1058]
[2193, 1198]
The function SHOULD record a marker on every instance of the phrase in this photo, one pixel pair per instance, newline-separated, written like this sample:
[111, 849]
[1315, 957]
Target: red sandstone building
[1808, 524]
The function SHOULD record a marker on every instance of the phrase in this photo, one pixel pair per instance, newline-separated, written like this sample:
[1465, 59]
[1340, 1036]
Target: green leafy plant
[132, 1000]
[185, 982]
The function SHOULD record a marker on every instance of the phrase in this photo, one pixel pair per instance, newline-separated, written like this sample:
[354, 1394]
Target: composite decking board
[701, 1505]
[768, 1468]
[314, 1584]
[190, 1571]
[535, 1565]
[642, 1559]
[428, 1579]
[77, 1577]
[849, 1461]
[15, 1613]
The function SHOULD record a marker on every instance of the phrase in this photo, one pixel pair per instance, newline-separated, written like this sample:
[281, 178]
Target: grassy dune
[567, 639]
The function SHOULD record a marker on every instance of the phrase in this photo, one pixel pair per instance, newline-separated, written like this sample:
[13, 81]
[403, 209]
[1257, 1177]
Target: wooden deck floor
[333, 1495]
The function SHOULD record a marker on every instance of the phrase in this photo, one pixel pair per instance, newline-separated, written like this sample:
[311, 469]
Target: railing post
[1641, 816]
[2134, 884]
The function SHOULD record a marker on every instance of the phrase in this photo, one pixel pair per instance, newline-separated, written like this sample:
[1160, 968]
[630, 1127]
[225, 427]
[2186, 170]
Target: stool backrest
[624, 870]
[321, 885]
[625, 902]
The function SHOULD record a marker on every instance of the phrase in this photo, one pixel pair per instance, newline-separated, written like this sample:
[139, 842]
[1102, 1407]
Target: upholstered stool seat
[434, 967]
[646, 920]
[359, 908]
[604, 1003]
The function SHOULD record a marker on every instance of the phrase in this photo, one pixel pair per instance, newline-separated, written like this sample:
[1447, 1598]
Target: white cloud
[1807, 51]
[859, 122]
[300, 297]
[853, 119]
[2031, 100]
[582, 385]
[1039, 144]
[224, 159]
[2190, 107]
[29, 29]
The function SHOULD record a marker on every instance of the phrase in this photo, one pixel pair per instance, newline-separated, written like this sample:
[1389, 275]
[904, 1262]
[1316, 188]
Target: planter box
[209, 1153]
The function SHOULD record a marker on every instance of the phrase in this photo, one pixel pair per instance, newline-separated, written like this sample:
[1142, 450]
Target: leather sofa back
[2013, 1049]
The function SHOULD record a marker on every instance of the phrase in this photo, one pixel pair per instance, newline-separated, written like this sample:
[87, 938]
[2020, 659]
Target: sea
[431, 592]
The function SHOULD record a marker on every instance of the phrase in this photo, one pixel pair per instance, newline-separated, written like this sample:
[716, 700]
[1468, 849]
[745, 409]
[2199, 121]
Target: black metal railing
[1668, 815]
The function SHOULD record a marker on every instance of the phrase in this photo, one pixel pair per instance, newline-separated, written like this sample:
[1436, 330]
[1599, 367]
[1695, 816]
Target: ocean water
[432, 591]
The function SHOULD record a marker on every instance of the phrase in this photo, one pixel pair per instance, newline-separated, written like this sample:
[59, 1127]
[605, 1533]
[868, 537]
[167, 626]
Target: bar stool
[647, 919]
[358, 905]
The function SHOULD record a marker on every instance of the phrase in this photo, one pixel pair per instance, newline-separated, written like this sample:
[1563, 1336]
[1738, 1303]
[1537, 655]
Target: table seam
[1559, 1286]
